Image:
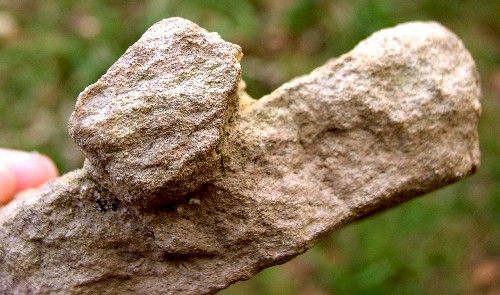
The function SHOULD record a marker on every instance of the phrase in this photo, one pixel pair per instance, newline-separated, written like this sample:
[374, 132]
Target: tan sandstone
[185, 193]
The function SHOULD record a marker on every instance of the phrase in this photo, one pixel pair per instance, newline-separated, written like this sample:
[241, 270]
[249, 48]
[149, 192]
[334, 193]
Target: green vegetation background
[447, 242]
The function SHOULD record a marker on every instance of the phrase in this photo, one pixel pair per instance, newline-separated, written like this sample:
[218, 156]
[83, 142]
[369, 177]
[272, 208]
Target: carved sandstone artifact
[190, 185]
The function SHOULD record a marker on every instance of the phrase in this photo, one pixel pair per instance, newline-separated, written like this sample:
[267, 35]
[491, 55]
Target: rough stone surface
[152, 126]
[394, 118]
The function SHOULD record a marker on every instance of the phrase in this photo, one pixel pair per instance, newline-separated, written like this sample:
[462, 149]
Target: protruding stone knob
[152, 126]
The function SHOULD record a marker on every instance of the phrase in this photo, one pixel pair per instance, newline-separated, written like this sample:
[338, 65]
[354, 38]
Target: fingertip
[7, 185]
[29, 169]
[49, 166]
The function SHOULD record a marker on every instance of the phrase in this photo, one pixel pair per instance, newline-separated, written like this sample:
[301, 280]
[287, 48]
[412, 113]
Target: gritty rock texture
[152, 126]
[394, 118]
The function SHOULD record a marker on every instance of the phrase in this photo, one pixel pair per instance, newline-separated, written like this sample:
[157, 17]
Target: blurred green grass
[445, 243]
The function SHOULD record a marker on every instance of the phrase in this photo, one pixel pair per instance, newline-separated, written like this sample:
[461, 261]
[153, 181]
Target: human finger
[7, 185]
[29, 169]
